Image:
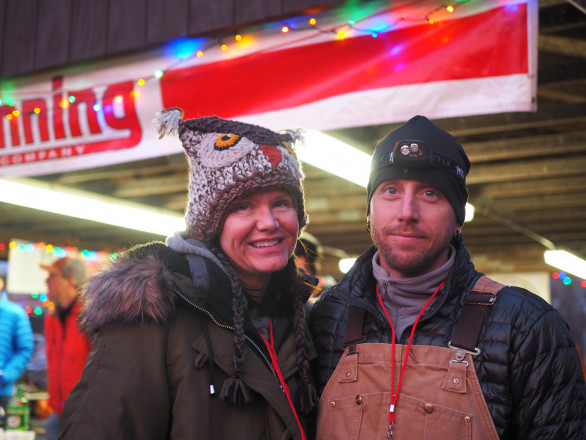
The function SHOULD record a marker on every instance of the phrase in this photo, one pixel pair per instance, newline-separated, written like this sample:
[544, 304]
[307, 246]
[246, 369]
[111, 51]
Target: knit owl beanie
[227, 161]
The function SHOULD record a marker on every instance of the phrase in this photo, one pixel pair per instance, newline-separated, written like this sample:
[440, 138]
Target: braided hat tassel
[234, 391]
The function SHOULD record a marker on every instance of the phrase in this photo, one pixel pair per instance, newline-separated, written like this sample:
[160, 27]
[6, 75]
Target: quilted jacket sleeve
[547, 383]
[123, 390]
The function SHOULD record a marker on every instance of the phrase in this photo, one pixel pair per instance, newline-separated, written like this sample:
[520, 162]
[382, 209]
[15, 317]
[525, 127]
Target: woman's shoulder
[135, 288]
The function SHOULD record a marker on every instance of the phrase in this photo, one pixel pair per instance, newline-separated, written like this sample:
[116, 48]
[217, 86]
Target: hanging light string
[60, 252]
[31, 301]
[304, 23]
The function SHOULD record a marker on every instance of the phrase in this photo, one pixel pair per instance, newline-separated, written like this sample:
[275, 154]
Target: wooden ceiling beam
[561, 96]
[562, 45]
[537, 203]
[560, 215]
[544, 145]
[508, 189]
[150, 167]
[531, 169]
[151, 186]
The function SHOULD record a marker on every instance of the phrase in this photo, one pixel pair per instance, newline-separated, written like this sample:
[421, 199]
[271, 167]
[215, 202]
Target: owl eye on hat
[228, 160]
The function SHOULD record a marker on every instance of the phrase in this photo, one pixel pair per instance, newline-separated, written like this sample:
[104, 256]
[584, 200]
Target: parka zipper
[228, 327]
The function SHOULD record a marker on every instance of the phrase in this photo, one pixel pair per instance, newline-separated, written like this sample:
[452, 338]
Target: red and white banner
[393, 61]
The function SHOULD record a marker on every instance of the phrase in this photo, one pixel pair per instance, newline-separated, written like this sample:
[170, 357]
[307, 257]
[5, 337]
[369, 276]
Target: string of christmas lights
[290, 26]
[567, 280]
[45, 305]
[60, 252]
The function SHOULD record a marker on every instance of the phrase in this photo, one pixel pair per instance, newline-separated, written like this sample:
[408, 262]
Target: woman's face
[259, 236]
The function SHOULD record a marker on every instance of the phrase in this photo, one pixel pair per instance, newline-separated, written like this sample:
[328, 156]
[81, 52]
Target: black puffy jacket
[528, 368]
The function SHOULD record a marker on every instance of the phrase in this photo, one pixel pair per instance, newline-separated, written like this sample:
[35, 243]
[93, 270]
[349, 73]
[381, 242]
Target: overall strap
[354, 325]
[476, 306]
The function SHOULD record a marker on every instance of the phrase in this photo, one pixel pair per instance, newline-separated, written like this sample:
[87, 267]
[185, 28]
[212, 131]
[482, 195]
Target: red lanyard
[395, 395]
[271, 348]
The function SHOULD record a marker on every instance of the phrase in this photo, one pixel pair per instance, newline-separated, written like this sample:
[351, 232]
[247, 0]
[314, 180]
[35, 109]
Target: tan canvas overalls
[440, 396]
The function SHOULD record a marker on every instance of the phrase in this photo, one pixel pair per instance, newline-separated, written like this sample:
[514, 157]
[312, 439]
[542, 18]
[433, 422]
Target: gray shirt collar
[405, 297]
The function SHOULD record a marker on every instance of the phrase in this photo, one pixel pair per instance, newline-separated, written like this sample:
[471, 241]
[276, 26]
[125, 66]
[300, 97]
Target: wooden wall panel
[88, 29]
[19, 36]
[207, 16]
[255, 10]
[3, 13]
[52, 36]
[37, 35]
[291, 6]
[166, 20]
[126, 28]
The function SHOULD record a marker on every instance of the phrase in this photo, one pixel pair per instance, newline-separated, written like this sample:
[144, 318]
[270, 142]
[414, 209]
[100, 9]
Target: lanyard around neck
[270, 344]
[395, 395]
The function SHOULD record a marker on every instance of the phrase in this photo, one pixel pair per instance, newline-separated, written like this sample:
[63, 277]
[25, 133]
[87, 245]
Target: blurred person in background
[205, 337]
[308, 253]
[66, 346]
[16, 347]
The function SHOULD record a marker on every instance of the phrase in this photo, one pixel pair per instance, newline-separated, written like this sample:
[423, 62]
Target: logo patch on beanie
[412, 150]
[460, 173]
[410, 153]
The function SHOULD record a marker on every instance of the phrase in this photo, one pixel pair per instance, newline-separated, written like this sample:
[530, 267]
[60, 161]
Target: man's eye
[392, 190]
[430, 193]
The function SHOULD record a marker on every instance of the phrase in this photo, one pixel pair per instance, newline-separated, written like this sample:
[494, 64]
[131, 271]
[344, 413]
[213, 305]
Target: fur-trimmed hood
[138, 287]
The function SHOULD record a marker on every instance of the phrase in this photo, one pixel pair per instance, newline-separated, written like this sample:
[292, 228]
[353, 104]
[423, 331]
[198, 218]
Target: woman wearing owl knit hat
[219, 306]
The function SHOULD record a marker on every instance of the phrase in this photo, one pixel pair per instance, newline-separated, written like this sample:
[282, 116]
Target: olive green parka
[162, 348]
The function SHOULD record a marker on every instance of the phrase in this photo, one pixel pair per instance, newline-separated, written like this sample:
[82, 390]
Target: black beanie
[419, 150]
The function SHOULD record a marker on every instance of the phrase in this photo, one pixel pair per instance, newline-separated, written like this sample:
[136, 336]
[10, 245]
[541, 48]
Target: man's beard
[413, 264]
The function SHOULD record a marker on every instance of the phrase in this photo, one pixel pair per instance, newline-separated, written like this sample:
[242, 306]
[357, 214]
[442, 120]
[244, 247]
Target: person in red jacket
[66, 346]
